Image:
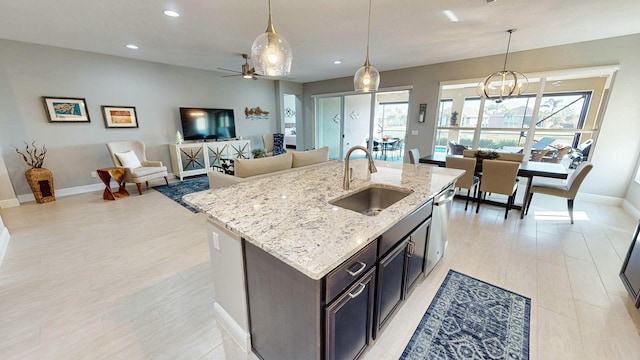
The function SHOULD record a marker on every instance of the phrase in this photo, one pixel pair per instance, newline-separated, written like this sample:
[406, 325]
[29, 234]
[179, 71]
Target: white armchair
[131, 155]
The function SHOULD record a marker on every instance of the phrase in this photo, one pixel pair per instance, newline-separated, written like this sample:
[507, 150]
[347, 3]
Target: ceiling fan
[247, 71]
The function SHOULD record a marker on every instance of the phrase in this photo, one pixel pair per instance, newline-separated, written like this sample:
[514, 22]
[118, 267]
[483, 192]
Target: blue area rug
[471, 319]
[175, 191]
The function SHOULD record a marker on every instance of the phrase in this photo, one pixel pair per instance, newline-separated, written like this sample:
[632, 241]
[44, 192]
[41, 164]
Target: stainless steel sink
[371, 200]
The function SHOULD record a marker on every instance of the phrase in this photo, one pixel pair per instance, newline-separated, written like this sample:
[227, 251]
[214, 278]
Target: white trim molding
[233, 328]
[4, 240]
[630, 209]
[7, 203]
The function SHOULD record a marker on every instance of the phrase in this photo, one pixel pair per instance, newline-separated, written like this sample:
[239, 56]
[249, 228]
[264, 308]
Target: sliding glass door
[371, 120]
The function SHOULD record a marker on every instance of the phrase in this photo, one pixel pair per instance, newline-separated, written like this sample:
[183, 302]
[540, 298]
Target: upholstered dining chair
[499, 177]
[469, 153]
[414, 156]
[468, 180]
[132, 156]
[567, 191]
[510, 156]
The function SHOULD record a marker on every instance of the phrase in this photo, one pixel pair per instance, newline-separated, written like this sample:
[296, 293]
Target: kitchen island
[276, 244]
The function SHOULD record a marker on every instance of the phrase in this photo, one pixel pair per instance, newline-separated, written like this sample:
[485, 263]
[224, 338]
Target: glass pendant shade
[501, 85]
[366, 79]
[271, 52]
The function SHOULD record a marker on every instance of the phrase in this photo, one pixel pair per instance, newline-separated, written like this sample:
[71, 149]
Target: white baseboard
[631, 210]
[69, 191]
[9, 203]
[600, 199]
[237, 333]
[4, 240]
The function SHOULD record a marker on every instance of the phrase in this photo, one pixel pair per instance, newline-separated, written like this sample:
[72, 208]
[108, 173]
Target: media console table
[191, 159]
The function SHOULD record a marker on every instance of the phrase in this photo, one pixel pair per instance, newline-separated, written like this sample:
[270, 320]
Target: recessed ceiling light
[132, 46]
[171, 13]
[337, 62]
[449, 14]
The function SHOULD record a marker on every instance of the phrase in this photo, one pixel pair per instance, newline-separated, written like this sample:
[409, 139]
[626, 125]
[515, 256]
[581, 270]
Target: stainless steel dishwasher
[439, 226]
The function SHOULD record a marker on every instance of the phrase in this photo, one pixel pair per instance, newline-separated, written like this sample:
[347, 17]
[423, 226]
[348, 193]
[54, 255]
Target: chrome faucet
[348, 170]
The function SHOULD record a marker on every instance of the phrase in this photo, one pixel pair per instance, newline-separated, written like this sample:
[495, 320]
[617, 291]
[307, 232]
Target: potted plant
[258, 153]
[486, 154]
[40, 179]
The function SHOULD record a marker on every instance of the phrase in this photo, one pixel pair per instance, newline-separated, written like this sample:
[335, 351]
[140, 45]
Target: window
[564, 107]
[444, 112]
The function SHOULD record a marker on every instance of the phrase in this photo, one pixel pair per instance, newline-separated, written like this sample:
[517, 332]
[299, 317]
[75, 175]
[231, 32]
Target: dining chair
[395, 147]
[469, 153]
[456, 149]
[414, 156]
[500, 177]
[468, 180]
[567, 191]
[510, 156]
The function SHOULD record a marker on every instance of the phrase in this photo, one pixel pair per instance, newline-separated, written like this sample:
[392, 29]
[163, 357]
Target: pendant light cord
[270, 28]
[368, 30]
[506, 56]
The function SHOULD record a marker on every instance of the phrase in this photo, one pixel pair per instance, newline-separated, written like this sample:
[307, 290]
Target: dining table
[385, 145]
[527, 169]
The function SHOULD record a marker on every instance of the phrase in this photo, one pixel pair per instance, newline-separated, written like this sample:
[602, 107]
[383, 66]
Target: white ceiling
[404, 33]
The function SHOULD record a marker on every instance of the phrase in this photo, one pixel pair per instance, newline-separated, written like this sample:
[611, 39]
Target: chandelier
[271, 52]
[367, 78]
[501, 85]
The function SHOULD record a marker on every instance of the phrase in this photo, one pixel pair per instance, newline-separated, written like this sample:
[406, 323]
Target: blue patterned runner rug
[175, 191]
[471, 319]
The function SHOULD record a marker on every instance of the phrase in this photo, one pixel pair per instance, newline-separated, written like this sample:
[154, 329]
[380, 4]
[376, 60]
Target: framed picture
[119, 116]
[66, 109]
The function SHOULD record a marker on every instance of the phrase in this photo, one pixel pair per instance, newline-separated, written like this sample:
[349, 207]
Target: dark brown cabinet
[417, 254]
[400, 270]
[349, 320]
[391, 272]
[292, 316]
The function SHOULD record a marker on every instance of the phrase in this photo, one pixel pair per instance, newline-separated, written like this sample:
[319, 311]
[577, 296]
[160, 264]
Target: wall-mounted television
[207, 124]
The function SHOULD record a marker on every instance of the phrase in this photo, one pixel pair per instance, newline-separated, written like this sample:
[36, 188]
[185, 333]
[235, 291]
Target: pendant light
[503, 84]
[271, 52]
[367, 78]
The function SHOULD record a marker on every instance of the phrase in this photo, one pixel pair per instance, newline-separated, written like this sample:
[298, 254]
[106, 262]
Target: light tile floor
[85, 278]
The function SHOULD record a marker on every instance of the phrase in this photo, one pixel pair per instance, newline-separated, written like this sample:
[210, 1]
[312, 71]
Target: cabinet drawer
[345, 274]
[392, 236]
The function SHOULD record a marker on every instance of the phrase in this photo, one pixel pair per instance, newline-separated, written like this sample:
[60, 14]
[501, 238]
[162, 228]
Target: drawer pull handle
[360, 290]
[362, 267]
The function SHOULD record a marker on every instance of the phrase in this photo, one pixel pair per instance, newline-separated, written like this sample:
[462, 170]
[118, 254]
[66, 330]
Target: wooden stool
[116, 174]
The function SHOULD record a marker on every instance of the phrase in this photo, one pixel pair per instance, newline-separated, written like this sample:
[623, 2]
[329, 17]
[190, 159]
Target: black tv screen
[207, 124]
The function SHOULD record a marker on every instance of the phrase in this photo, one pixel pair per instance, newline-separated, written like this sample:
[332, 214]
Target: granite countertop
[289, 215]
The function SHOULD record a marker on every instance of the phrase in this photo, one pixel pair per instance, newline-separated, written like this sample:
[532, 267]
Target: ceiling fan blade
[233, 71]
[232, 75]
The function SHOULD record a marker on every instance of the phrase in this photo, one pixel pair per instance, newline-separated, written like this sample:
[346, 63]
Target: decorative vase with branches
[40, 179]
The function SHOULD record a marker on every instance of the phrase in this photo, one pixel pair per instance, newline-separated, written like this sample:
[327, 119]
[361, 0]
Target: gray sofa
[249, 169]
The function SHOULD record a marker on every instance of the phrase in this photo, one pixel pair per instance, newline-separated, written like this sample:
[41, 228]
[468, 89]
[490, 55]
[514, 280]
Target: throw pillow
[278, 144]
[227, 166]
[129, 159]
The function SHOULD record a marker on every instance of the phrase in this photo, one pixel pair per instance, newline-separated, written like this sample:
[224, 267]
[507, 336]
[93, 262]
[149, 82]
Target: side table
[116, 174]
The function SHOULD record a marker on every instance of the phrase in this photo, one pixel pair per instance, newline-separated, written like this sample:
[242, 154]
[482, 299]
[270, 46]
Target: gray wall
[618, 147]
[28, 72]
